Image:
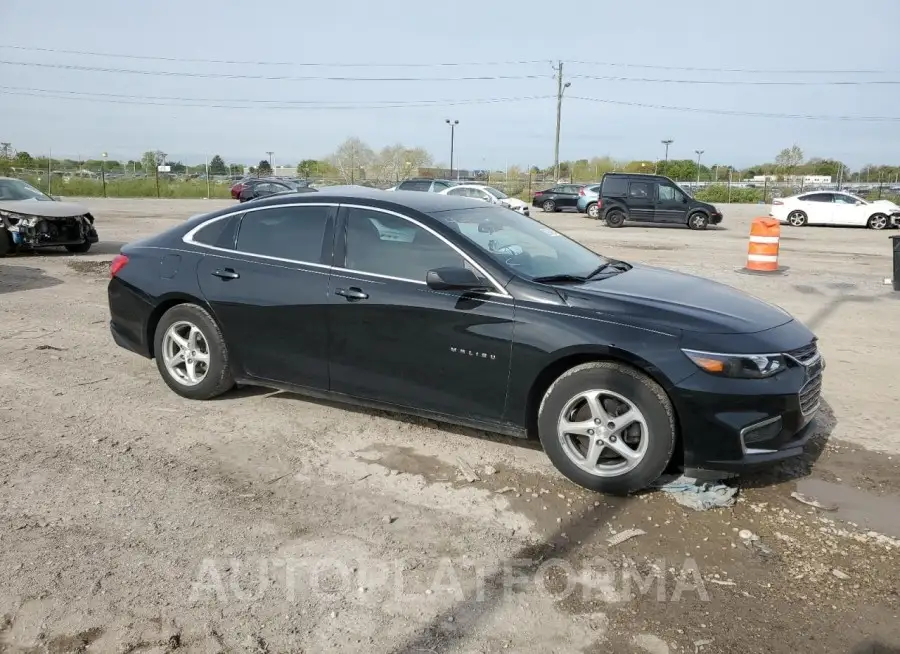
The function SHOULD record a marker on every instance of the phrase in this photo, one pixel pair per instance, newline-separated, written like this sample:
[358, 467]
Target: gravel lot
[132, 520]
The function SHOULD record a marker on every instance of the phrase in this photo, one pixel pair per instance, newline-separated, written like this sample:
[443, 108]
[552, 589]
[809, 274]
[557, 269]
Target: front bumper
[38, 231]
[738, 425]
[715, 218]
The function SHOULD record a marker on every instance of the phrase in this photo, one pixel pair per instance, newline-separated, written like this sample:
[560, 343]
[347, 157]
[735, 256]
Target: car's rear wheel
[796, 218]
[878, 221]
[191, 354]
[549, 206]
[615, 218]
[593, 211]
[698, 221]
[79, 248]
[607, 427]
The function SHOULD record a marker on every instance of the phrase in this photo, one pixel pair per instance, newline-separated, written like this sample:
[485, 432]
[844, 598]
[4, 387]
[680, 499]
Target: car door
[671, 205]
[818, 207]
[269, 292]
[641, 201]
[846, 210]
[394, 340]
[568, 195]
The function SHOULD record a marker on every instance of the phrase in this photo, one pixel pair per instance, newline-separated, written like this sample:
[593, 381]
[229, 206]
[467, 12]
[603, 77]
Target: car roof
[415, 200]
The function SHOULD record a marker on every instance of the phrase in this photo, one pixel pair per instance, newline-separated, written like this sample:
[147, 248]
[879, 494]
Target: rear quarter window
[615, 186]
[219, 233]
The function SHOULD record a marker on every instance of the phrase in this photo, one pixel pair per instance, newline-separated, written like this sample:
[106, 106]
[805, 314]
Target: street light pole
[103, 172]
[667, 143]
[271, 160]
[560, 89]
[453, 124]
[699, 152]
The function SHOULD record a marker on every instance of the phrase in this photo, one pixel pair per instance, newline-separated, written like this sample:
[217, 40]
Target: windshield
[526, 246]
[500, 195]
[15, 189]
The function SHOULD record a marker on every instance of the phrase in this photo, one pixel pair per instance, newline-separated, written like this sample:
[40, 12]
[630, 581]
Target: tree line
[355, 161]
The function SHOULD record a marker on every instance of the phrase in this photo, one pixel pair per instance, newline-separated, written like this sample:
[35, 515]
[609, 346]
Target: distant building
[764, 178]
[808, 179]
[285, 171]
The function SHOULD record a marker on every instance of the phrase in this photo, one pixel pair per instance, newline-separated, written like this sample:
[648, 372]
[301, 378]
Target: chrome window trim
[499, 288]
[188, 238]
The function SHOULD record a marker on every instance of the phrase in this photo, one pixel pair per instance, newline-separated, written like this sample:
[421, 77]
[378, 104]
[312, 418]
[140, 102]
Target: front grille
[810, 393]
[805, 354]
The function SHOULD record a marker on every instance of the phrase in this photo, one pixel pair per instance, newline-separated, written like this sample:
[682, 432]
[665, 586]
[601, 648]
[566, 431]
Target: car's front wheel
[593, 211]
[878, 221]
[607, 427]
[191, 354]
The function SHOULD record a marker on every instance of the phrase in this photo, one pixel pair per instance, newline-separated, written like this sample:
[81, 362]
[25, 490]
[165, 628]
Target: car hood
[43, 208]
[670, 300]
[886, 204]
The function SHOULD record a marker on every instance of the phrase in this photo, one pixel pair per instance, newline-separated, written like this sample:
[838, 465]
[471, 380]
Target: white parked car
[835, 208]
[488, 194]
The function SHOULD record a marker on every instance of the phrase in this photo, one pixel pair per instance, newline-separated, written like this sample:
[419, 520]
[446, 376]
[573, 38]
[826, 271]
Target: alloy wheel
[603, 433]
[185, 353]
[878, 222]
[797, 218]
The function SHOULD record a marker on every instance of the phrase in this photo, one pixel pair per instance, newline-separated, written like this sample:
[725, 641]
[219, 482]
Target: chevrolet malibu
[467, 313]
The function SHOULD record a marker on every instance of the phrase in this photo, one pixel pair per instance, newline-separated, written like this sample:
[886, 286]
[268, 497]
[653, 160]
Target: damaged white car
[30, 219]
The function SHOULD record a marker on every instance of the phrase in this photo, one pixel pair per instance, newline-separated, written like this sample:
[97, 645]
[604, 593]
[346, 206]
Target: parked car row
[620, 197]
[252, 188]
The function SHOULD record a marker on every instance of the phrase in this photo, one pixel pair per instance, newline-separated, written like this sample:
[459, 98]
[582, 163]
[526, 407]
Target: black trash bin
[896, 240]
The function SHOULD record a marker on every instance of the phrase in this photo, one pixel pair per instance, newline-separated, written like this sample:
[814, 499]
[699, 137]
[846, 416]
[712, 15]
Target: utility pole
[699, 152]
[666, 143]
[560, 89]
[453, 124]
[271, 160]
[49, 171]
[103, 172]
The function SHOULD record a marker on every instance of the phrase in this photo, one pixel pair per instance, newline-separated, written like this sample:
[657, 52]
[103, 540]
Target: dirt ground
[132, 520]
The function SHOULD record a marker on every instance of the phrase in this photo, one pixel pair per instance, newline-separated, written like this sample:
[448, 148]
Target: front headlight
[12, 216]
[738, 366]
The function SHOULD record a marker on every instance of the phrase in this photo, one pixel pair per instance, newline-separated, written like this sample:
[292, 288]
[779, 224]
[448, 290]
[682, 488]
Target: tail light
[599, 204]
[777, 202]
[581, 191]
[537, 193]
[118, 262]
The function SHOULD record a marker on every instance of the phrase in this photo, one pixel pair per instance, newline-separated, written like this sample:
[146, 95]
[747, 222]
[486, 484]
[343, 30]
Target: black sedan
[253, 189]
[561, 196]
[463, 312]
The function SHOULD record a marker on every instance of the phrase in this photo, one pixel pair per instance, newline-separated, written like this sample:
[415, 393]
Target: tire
[698, 221]
[6, 244]
[605, 379]
[593, 211]
[878, 221]
[548, 206]
[217, 378]
[615, 218]
[796, 218]
[79, 248]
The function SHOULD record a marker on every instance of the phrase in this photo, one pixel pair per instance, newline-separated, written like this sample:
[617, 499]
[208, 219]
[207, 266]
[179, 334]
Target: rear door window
[639, 190]
[292, 233]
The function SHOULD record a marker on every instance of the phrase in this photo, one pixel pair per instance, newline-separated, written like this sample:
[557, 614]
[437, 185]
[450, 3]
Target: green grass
[134, 188]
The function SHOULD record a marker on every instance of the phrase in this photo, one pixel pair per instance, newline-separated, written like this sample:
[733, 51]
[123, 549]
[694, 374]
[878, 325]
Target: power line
[272, 63]
[650, 80]
[773, 71]
[278, 78]
[439, 102]
[244, 62]
[342, 78]
[756, 114]
[218, 104]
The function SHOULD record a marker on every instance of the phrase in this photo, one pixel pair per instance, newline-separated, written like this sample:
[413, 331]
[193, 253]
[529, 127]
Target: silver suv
[424, 184]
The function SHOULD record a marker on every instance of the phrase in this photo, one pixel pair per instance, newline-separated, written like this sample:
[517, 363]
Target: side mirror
[453, 279]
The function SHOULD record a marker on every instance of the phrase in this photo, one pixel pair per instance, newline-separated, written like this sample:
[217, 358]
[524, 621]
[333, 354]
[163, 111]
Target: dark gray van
[651, 199]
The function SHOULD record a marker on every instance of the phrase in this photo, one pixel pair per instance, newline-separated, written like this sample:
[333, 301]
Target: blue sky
[648, 36]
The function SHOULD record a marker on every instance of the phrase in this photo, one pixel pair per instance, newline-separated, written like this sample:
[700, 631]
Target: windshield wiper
[564, 277]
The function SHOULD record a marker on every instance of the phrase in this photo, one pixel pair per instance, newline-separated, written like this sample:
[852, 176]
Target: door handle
[352, 293]
[228, 273]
